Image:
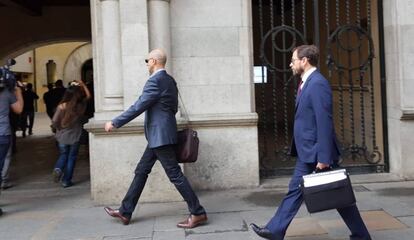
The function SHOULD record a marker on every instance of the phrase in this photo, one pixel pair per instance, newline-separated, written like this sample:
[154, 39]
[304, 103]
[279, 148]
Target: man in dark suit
[314, 143]
[159, 102]
[47, 99]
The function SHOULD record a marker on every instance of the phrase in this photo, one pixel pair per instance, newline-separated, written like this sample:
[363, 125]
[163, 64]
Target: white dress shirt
[159, 70]
[306, 76]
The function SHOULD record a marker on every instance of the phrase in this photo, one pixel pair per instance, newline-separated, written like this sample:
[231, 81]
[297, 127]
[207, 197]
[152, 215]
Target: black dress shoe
[116, 214]
[262, 232]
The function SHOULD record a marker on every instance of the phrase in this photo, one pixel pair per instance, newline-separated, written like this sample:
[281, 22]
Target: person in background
[9, 99]
[29, 98]
[68, 121]
[48, 100]
[57, 94]
[5, 184]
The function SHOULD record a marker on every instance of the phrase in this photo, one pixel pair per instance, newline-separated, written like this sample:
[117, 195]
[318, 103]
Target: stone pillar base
[228, 158]
[113, 159]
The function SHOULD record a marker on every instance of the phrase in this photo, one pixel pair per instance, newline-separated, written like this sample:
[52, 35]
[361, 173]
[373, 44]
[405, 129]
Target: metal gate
[346, 31]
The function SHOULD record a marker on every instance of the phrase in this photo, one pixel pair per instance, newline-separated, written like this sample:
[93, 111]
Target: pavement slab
[305, 227]
[221, 222]
[408, 221]
[167, 235]
[380, 220]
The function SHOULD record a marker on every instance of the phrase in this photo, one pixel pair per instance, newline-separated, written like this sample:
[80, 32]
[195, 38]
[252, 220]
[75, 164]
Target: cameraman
[13, 100]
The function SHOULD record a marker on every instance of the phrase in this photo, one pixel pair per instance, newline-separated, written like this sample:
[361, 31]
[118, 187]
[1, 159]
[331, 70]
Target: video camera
[7, 77]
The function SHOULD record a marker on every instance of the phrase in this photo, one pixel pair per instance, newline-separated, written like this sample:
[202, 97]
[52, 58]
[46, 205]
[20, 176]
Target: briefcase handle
[327, 169]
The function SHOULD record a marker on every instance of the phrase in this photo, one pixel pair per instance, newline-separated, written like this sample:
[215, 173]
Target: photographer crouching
[10, 98]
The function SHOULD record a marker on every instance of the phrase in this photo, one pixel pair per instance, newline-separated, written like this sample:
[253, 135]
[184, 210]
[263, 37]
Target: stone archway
[75, 61]
[55, 24]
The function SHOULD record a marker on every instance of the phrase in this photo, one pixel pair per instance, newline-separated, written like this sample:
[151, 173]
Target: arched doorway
[78, 63]
[51, 22]
[36, 25]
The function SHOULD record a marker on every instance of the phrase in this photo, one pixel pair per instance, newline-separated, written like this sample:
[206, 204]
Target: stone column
[159, 28]
[399, 50]
[112, 61]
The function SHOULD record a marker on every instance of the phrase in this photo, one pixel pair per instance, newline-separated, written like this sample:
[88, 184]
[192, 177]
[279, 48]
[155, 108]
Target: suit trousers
[291, 203]
[167, 157]
[27, 121]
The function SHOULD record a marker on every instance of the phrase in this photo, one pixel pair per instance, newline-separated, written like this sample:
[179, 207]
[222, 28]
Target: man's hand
[19, 84]
[80, 82]
[109, 126]
[322, 165]
[17, 107]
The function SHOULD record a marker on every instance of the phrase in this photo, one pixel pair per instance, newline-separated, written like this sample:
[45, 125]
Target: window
[260, 74]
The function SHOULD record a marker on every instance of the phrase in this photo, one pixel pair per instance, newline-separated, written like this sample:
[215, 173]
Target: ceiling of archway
[34, 7]
[66, 2]
[28, 29]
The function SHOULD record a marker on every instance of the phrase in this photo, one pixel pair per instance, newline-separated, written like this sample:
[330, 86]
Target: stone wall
[399, 55]
[212, 63]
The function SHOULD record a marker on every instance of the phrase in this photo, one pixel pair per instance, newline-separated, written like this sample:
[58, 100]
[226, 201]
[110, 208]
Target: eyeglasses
[294, 59]
[148, 59]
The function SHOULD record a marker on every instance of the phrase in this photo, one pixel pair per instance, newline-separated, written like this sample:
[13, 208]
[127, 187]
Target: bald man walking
[159, 101]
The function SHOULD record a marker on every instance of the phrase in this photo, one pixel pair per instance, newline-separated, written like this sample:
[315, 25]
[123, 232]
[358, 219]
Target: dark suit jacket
[159, 101]
[314, 137]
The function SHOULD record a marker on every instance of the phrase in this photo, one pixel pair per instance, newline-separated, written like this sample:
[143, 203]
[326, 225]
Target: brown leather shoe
[193, 221]
[116, 214]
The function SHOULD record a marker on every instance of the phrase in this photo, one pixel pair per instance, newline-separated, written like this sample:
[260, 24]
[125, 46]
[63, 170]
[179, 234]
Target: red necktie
[300, 87]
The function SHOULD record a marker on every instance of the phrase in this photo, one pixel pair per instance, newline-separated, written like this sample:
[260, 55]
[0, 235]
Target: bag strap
[186, 116]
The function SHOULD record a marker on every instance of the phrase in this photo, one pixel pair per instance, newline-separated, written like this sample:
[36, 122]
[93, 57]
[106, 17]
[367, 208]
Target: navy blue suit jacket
[314, 137]
[159, 101]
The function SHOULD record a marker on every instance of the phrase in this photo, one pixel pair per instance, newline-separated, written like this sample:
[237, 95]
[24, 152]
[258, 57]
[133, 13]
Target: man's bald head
[159, 55]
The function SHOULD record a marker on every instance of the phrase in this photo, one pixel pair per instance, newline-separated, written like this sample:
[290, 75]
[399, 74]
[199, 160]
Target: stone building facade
[212, 54]
[210, 48]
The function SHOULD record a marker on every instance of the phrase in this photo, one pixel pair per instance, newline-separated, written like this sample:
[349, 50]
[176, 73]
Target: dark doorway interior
[87, 77]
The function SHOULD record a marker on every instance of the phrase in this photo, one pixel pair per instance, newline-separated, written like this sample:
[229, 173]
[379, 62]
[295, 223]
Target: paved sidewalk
[56, 213]
[37, 209]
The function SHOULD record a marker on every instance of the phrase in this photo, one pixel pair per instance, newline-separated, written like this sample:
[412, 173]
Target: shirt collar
[307, 74]
[159, 70]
